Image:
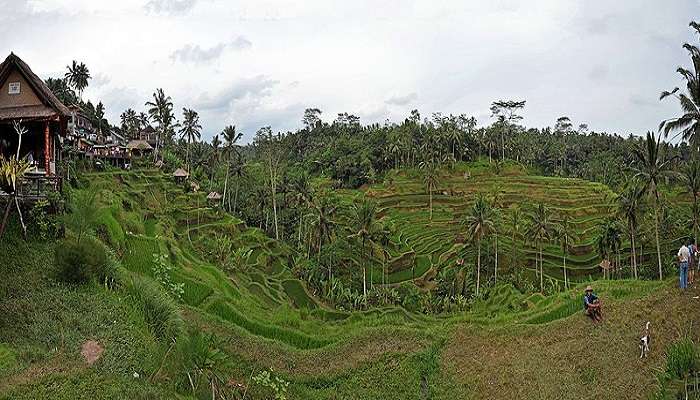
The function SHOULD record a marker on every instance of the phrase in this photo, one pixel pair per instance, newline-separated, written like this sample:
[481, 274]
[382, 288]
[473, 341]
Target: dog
[644, 342]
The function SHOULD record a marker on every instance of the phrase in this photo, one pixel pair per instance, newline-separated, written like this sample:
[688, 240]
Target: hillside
[435, 244]
[509, 346]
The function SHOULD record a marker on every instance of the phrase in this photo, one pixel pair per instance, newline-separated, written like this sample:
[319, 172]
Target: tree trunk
[656, 231]
[364, 272]
[566, 282]
[495, 264]
[235, 195]
[430, 196]
[478, 267]
[634, 255]
[223, 199]
[541, 271]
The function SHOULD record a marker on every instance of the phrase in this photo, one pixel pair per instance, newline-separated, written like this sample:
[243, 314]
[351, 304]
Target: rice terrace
[189, 211]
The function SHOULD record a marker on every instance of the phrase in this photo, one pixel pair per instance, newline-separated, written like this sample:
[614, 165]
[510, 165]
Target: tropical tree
[691, 179]
[190, 130]
[271, 150]
[505, 112]
[651, 167]
[78, 76]
[566, 235]
[542, 230]
[430, 179]
[687, 124]
[161, 111]
[479, 223]
[609, 242]
[231, 137]
[629, 204]
[514, 220]
[365, 230]
[323, 224]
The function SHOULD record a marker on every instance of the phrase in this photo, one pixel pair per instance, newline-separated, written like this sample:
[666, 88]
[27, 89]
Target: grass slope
[510, 346]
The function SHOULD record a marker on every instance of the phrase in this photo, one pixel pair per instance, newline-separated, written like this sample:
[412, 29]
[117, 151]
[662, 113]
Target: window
[14, 88]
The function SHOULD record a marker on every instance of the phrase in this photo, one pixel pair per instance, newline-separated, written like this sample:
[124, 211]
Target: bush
[682, 358]
[81, 262]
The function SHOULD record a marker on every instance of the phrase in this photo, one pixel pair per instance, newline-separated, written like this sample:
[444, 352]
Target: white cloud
[402, 100]
[197, 54]
[169, 7]
[603, 63]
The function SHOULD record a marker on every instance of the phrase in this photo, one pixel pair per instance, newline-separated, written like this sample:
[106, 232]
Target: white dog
[644, 342]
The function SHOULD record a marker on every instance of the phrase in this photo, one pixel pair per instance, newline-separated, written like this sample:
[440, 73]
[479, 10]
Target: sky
[253, 63]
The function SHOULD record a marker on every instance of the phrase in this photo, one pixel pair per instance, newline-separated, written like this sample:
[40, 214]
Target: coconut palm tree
[688, 124]
[542, 230]
[514, 220]
[430, 179]
[190, 131]
[629, 204]
[161, 111]
[609, 241]
[365, 230]
[323, 225]
[691, 179]
[231, 136]
[651, 167]
[479, 223]
[566, 235]
[78, 76]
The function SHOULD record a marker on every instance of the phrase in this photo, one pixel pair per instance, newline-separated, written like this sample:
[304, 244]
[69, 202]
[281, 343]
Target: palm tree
[161, 111]
[479, 224]
[190, 130]
[691, 178]
[628, 208]
[323, 225]
[610, 241]
[366, 229]
[514, 220]
[541, 230]
[430, 179]
[653, 165]
[231, 136]
[566, 236]
[688, 124]
[78, 76]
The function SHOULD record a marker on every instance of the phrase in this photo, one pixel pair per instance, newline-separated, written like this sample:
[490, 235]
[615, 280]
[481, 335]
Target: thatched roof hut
[139, 145]
[37, 103]
[25, 99]
[180, 173]
[214, 196]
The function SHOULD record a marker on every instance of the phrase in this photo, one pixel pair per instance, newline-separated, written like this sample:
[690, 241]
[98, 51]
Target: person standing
[683, 259]
[692, 262]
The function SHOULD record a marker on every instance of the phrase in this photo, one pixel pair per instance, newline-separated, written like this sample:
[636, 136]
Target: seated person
[591, 305]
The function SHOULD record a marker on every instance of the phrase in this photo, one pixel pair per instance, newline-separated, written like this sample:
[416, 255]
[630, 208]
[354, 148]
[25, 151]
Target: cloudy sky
[262, 62]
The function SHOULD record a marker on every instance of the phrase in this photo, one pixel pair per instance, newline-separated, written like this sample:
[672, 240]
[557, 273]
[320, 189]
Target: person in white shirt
[683, 258]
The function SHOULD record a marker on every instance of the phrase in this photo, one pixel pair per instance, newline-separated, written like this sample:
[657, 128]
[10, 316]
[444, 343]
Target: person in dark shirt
[591, 305]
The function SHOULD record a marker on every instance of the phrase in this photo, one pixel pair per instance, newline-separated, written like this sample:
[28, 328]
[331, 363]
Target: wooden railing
[34, 187]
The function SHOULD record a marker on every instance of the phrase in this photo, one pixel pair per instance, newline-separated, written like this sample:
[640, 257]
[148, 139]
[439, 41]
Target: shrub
[80, 262]
[44, 223]
[682, 358]
[159, 311]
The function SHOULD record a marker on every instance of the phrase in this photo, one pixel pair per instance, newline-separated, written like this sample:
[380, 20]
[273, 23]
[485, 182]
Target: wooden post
[47, 149]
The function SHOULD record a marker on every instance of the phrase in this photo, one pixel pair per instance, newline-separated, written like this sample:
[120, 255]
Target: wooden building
[25, 98]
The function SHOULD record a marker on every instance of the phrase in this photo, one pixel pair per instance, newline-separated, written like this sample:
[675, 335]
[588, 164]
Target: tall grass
[159, 311]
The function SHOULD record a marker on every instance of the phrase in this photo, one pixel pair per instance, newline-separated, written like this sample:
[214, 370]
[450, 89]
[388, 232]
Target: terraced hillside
[264, 318]
[438, 243]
